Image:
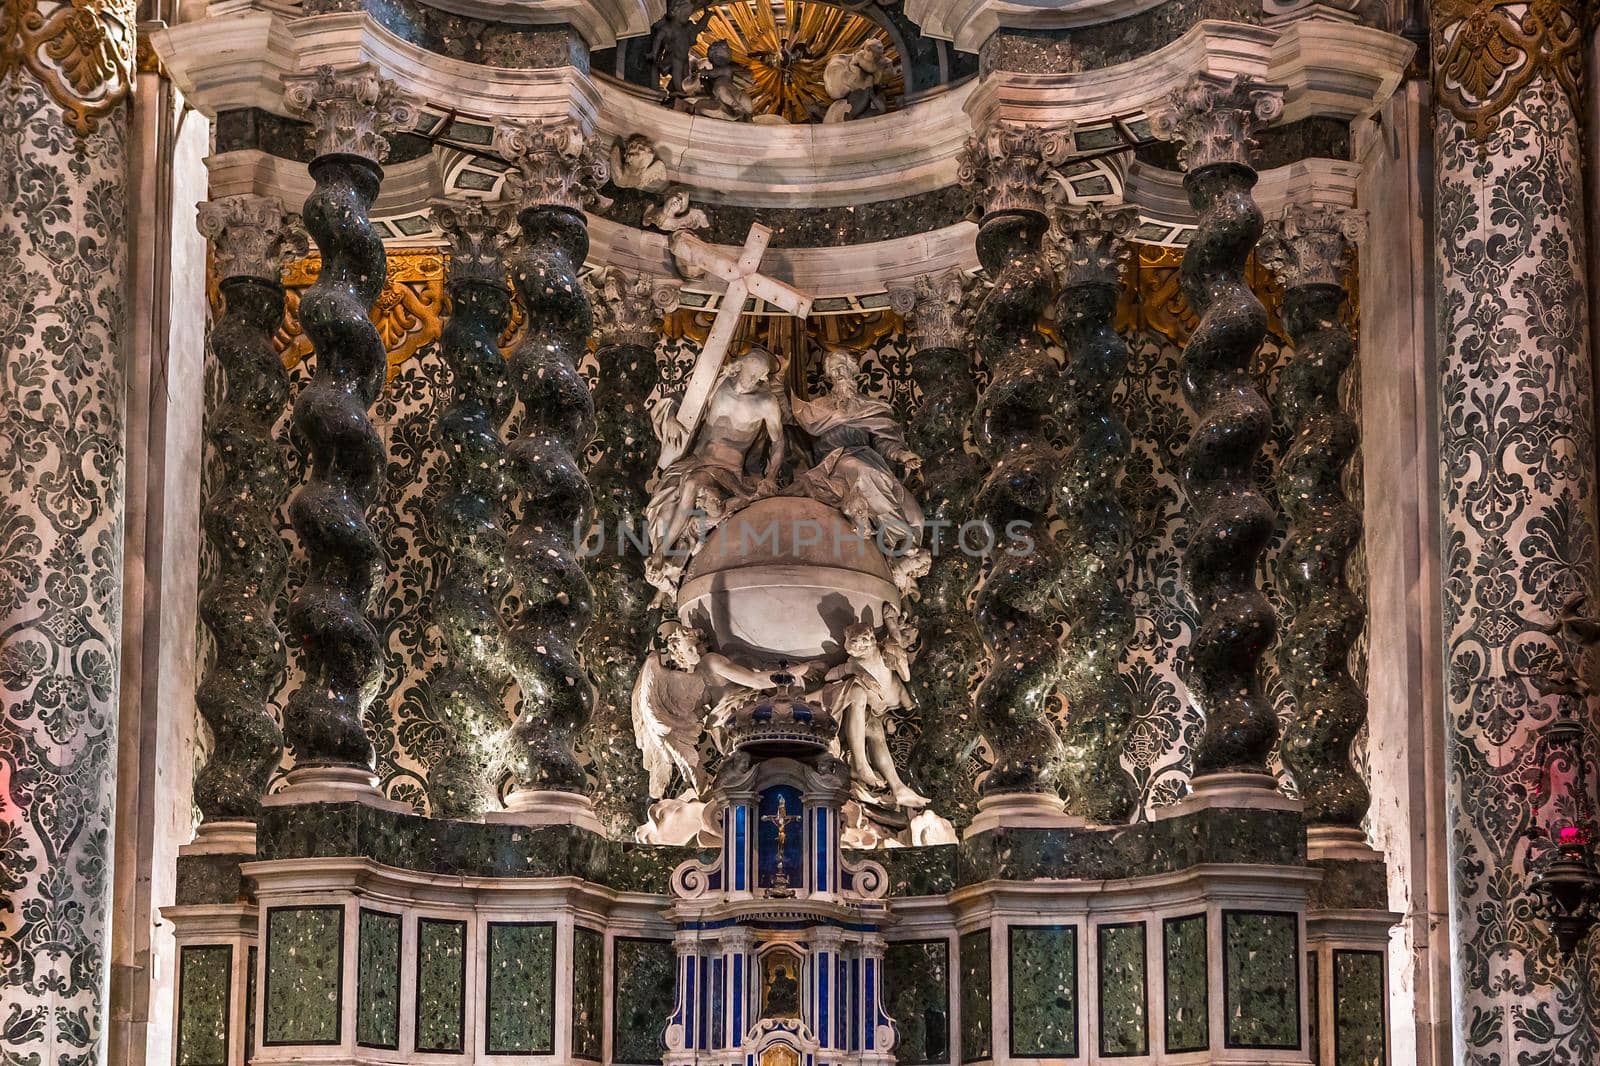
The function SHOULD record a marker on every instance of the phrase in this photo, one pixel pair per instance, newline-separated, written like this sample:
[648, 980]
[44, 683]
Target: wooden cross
[744, 279]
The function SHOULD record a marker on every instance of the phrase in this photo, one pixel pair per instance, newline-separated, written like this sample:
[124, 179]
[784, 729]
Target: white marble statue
[674, 213]
[854, 81]
[637, 164]
[861, 691]
[856, 441]
[709, 478]
[678, 693]
[724, 84]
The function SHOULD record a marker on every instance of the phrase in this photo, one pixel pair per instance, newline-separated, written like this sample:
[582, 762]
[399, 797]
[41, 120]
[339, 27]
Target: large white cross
[744, 279]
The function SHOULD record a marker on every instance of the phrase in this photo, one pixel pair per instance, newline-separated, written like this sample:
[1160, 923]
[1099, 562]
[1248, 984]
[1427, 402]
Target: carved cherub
[854, 82]
[669, 47]
[675, 213]
[636, 164]
[722, 85]
[861, 692]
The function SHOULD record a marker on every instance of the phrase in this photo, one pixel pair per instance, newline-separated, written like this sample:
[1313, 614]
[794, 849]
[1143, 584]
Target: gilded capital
[351, 110]
[555, 164]
[251, 236]
[1312, 244]
[1215, 119]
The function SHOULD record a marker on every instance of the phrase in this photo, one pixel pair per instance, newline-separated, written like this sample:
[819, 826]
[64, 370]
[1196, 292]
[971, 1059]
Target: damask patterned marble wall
[406, 727]
[64, 73]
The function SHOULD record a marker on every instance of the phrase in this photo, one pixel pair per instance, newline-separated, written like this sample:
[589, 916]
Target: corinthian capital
[1090, 243]
[250, 236]
[474, 231]
[627, 306]
[556, 164]
[1215, 119]
[1007, 165]
[932, 306]
[1312, 244]
[351, 111]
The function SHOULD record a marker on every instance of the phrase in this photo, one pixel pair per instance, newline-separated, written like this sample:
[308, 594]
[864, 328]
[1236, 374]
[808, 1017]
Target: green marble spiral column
[250, 237]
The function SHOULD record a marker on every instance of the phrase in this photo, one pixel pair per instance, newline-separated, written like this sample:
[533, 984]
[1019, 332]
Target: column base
[333, 784]
[233, 837]
[1021, 810]
[1339, 842]
[1231, 790]
[547, 807]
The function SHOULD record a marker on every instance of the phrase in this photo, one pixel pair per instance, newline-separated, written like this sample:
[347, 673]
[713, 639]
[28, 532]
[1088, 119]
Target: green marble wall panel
[917, 988]
[250, 1006]
[1187, 993]
[1043, 977]
[588, 993]
[521, 989]
[977, 1006]
[378, 980]
[441, 1005]
[1124, 990]
[644, 978]
[1358, 1008]
[1314, 1007]
[305, 974]
[204, 978]
[1261, 979]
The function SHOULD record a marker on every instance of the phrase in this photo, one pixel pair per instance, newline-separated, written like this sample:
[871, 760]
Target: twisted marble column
[1012, 426]
[1097, 530]
[340, 653]
[476, 672]
[934, 308]
[1231, 521]
[627, 308]
[556, 171]
[1311, 249]
[250, 238]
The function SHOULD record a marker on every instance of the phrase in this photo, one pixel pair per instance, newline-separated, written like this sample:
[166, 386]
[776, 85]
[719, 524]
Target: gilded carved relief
[1487, 52]
[82, 52]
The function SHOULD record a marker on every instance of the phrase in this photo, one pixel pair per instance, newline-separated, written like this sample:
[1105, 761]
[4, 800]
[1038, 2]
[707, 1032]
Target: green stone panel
[250, 1007]
[1124, 993]
[441, 985]
[305, 969]
[588, 993]
[378, 980]
[1044, 991]
[521, 989]
[1188, 990]
[1358, 1004]
[1261, 979]
[1314, 1007]
[977, 1009]
[644, 978]
[917, 988]
[204, 977]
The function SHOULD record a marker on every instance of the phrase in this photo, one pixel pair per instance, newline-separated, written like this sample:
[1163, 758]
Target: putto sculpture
[855, 82]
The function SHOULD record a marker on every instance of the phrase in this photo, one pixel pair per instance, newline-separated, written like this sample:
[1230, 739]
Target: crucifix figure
[744, 278]
[782, 819]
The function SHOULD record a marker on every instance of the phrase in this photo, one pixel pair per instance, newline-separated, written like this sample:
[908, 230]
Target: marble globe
[781, 579]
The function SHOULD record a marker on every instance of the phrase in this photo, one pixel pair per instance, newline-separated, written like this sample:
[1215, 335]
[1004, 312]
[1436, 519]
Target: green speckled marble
[378, 980]
[1187, 986]
[441, 984]
[917, 994]
[1044, 991]
[644, 987]
[1261, 979]
[250, 1006]
[977, 1006]
[304, 970]
[1358, 1002]
[204, 976]
[1124, 991]
[588, 993]
[521, 989]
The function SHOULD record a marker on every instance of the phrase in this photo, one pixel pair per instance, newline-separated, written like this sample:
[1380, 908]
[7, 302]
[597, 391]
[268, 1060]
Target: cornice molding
[600, 22]
[968, 23]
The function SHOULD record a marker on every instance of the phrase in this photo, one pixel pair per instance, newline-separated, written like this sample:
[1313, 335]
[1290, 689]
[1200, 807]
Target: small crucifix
[744, 279]
[782, 819]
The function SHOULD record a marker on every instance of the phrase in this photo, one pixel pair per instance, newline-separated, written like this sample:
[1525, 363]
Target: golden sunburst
[786, 45]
